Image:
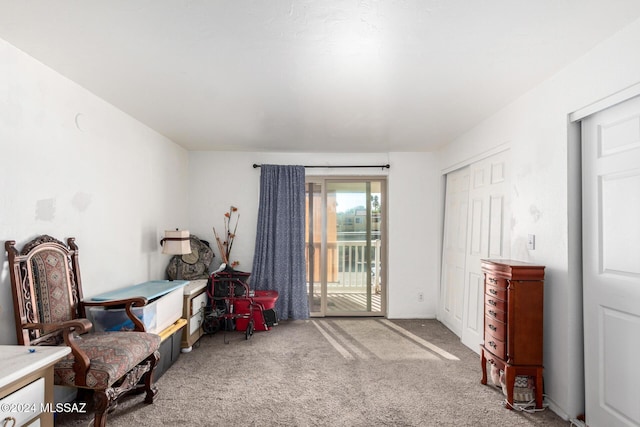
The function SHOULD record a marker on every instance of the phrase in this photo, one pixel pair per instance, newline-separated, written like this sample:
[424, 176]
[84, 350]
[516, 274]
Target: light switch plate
[531, 242]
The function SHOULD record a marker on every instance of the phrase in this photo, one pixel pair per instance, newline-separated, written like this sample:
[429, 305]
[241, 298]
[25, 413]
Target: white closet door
[611, 264]
[454, 249]
[475, 227]
[488, 237]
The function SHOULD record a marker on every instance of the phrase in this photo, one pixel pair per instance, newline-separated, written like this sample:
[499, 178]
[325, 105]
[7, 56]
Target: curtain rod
[387, 166]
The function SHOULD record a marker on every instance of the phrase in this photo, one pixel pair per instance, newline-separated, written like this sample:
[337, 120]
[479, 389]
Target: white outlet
[531, 242]
[420, 296]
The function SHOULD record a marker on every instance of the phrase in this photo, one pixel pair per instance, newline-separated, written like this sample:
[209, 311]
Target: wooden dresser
[513, 317]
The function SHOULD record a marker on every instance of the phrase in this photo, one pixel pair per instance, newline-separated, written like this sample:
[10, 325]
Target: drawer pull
[493, 313]
[493, 328]
[493, 280]
[493, 345]
[492, 302]
[493, 292]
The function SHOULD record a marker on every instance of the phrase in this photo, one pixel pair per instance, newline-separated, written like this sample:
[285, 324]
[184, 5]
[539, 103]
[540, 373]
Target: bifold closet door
[454, 249]
[476, 208]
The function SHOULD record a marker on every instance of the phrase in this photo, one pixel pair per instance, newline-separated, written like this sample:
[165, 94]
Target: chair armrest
[78, 325]
[128, 303]
[68, 327]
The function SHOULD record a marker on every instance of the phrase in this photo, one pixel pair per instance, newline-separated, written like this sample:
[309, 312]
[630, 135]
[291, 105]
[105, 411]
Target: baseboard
[556, 409]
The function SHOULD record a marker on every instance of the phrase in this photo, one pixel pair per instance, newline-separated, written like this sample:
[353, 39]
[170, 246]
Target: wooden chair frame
[32, 330]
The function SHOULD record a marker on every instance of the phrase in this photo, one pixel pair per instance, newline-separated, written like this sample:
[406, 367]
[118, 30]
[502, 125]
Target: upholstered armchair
[49, 310]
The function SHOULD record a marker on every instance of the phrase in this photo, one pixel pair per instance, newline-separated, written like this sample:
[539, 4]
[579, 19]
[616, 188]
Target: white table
[26, 384]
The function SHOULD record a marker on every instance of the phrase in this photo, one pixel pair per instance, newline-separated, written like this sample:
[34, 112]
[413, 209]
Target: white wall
[414, 235]
[221, 179]
[536, 128]
[109, 181]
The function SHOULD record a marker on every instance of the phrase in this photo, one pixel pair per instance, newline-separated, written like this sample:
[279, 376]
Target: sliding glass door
[345, 246]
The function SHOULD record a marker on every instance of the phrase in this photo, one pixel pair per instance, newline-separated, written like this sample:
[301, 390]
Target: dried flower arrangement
[225, 246]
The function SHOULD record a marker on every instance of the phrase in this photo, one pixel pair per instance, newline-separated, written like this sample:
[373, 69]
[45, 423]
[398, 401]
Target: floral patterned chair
[49, 310]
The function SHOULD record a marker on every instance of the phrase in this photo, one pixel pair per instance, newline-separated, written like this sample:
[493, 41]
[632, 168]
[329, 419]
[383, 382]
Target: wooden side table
[195, 301]
[26, 384]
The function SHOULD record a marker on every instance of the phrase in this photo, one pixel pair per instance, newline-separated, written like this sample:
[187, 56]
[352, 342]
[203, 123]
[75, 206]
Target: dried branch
[223, 254]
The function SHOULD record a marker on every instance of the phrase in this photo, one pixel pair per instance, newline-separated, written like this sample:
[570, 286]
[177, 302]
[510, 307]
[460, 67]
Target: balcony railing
[348, 265]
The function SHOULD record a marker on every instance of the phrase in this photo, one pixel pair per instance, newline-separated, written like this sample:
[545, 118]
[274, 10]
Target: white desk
[26, 383]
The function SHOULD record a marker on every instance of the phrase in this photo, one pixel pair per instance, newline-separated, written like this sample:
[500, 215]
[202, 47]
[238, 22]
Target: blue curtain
[279, 259]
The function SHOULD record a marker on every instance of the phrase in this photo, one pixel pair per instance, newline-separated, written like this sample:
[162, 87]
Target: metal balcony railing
[349, 265]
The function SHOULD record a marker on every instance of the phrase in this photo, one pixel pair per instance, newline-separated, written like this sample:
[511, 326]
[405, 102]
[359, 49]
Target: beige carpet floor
[326, 372]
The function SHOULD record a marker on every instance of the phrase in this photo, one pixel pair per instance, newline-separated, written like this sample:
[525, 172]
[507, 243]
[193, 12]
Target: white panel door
[454, 249]
[488, 237]
[611, 265]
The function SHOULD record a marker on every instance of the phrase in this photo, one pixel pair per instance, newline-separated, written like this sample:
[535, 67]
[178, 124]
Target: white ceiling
[303, 75]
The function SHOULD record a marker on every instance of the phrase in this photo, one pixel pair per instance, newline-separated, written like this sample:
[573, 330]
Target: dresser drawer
[493, 302]
[498, 282]
[496, 292]
[495, 328]
[494, 313]
[23, 404]
[496, 347]
[197, 304]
